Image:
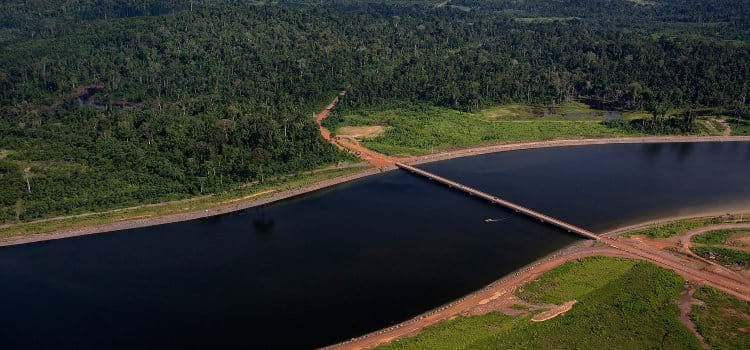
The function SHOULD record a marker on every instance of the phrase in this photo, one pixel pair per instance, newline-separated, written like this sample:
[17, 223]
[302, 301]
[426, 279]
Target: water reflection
[262, 222]
[684, 149]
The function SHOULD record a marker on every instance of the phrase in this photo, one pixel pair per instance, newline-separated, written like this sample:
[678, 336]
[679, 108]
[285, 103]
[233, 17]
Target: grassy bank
[722, 320]
[234, 196]
[674, 228]
[622, 304]
[415, 130]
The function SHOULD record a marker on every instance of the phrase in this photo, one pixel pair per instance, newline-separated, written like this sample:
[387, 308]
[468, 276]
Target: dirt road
[685, 241]
[685, 305]
[727, 128]
[374, 158]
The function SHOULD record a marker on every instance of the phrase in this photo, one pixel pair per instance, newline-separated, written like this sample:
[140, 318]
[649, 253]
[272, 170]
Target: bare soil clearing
[743, 242]
[727, 127]
[361, 132]
[554, 312]
[374, 158]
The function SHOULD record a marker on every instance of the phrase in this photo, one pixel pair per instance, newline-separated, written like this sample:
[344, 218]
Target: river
[341, 262]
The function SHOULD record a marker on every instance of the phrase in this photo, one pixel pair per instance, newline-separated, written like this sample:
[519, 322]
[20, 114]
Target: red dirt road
[684, 239]
[374, 158]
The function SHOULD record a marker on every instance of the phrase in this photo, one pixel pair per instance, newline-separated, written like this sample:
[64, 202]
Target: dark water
[608, 186]
[341, 262]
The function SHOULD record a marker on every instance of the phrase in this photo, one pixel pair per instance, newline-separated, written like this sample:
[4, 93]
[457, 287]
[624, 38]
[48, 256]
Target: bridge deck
[510, 205]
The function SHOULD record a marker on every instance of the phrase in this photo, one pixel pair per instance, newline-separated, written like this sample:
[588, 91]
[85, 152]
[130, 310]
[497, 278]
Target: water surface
[341, 262]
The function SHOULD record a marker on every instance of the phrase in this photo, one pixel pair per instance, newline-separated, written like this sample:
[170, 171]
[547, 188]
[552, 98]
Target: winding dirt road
[685, 238]
[374, 158]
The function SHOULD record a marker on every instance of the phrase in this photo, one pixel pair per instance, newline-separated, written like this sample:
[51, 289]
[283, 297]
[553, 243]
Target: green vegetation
[723, 255]
[718, 236]
[634, 309]
[256, 191]
[722, 320]
[740, 127]
[681, 226]
[715, 247]
[418, 130]
[196, 97]
[575, 279]
[519, 307]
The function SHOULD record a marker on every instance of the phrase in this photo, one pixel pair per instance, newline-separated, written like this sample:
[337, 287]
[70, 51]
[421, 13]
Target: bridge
[380, 160]
[507, 204]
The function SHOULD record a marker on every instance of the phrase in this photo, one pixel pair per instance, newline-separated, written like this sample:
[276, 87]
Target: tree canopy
[111, 102]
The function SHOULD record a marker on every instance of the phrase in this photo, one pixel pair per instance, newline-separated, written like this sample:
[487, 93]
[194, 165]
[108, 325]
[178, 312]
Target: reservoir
[338, 263]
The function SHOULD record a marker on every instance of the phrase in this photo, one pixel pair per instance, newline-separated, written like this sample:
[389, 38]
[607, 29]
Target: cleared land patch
[420, 129]
[361, 132]
[554, 312]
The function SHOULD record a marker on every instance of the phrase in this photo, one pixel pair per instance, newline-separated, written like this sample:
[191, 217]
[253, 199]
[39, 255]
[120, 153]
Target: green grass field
[420, 129]
[622, 304]
[719, 236]
[723, 320]
[574, 279]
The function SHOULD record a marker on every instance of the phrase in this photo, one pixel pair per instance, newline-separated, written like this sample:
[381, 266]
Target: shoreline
[278, 196]
[187, 216]
[433, 315]
[508, 283]
[517, 146]
[671, 219]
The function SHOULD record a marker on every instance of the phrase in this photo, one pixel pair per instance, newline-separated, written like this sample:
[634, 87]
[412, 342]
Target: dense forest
[178, 98]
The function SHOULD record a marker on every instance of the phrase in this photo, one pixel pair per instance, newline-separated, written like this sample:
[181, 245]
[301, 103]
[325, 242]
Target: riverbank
[93, 223]
[505, 287]
[475, 151]
[177, 211]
